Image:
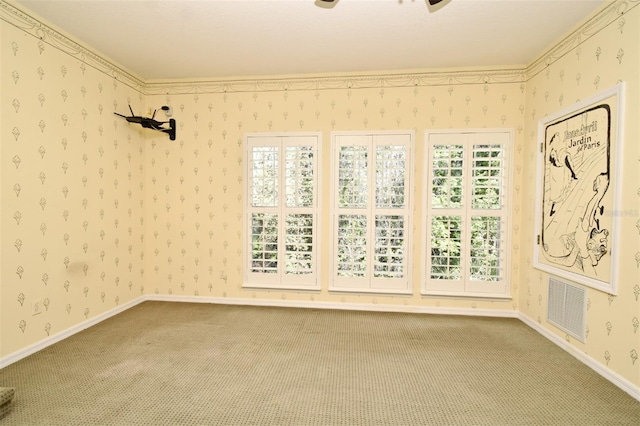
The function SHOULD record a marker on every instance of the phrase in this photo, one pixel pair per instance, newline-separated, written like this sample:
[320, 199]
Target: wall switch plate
[36, 307]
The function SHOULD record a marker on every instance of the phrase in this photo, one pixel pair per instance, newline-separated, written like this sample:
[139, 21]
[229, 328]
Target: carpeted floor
[198, 364]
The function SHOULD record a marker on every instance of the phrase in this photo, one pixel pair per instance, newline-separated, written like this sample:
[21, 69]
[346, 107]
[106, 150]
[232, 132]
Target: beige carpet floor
[198, 364]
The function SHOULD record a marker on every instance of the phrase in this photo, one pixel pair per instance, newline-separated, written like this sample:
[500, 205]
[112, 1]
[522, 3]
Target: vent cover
[567, 307]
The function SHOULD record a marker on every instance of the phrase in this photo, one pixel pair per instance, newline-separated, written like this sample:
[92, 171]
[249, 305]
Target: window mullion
[371, 210]
[281, 209]
[466, 211]
[504, 223]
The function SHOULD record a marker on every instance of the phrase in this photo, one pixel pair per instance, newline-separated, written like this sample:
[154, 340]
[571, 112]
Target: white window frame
[280, 279]
[369, 283]
[465, 286]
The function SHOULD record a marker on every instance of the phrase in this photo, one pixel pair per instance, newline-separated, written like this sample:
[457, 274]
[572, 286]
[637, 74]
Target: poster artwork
[577, 199]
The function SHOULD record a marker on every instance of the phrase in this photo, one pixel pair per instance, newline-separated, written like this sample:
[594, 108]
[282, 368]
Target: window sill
[258, 286]
[386, 292]
[467, 295]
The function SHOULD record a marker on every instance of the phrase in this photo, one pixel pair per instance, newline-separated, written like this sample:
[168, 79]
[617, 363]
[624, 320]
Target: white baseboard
[596, 366]
[38, 346]
[42, 344]
[605, 372]
[335, 305]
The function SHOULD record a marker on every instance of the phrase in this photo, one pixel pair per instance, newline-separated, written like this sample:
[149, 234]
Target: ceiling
[181, 39]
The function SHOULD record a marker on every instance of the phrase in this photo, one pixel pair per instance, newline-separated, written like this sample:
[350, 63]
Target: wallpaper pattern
[72, 197]
[587, 68]
[198, 180]
[97, 212]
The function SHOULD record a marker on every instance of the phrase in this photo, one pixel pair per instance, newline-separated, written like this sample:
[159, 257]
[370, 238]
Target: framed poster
[578, 190]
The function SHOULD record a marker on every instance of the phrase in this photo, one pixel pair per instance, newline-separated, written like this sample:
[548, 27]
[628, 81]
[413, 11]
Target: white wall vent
[567, 307]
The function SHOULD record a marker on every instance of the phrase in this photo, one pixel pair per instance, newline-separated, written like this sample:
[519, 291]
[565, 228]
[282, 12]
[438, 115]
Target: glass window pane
[486, 241]
[299, 244]
[390, 176]
[446, 242]
[264, 243]
[299, 176]
[352, 245]
[352, 177]
[264, 176]
[486, 177]
[447, 174]
[389, 246]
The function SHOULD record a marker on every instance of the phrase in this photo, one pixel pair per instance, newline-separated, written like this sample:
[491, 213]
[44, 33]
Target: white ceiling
[177, 39]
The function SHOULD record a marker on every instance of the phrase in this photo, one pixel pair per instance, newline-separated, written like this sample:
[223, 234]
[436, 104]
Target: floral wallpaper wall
[194, 185]
[593, 60]
[72, 190]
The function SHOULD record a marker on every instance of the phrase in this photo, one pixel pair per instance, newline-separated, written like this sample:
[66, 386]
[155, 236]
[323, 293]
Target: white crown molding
[381, 81]
[612, 12]
[47, 34]
[30, 25]
[27, 23]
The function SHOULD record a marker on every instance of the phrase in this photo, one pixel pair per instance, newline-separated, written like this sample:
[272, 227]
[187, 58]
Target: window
[371, 209]
[281, 220]
[467, 204]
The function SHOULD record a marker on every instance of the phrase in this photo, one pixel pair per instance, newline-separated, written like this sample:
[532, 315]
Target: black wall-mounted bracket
[151, 123]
